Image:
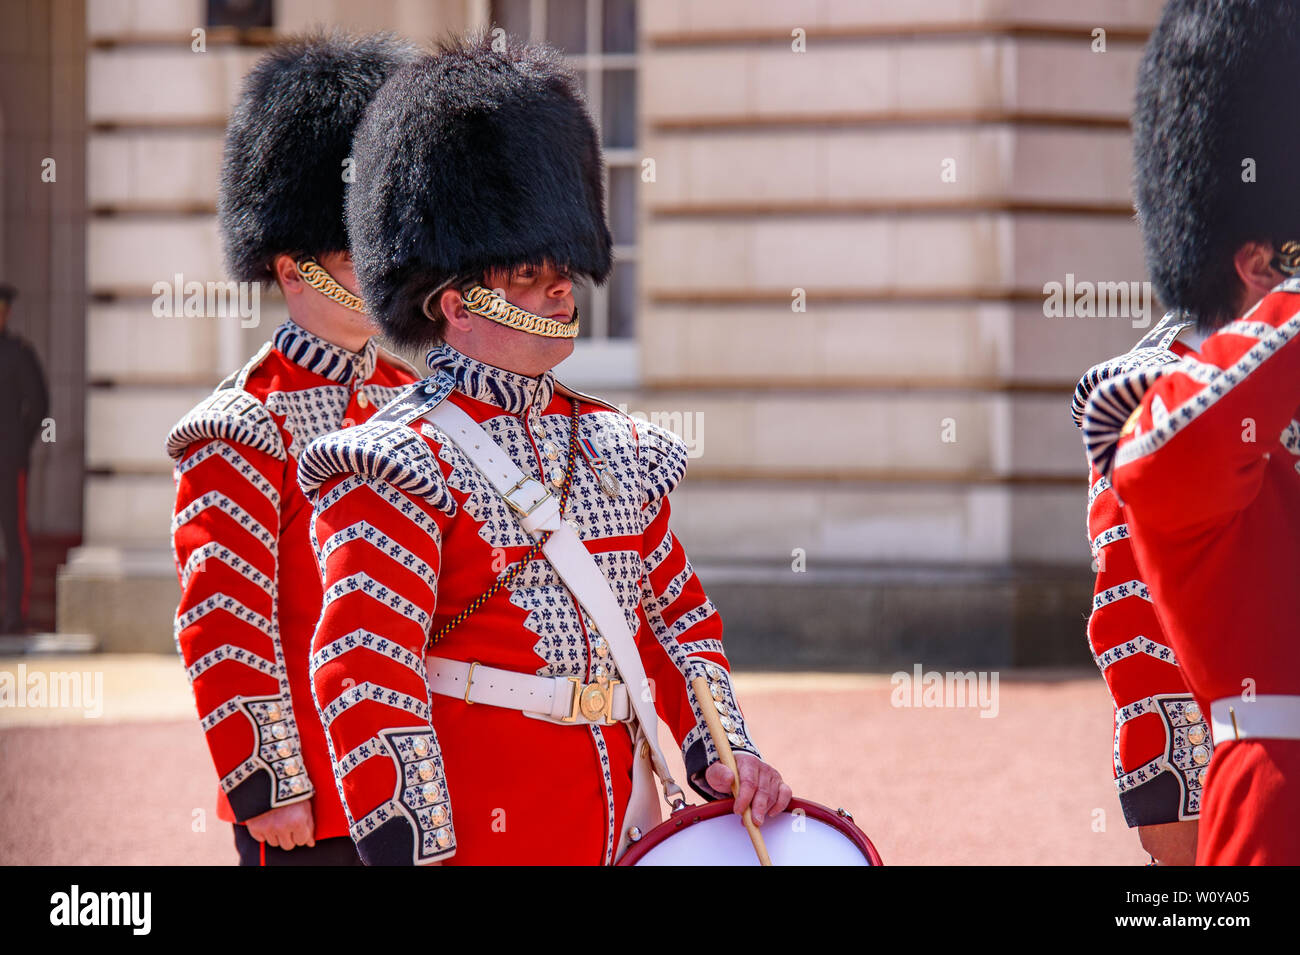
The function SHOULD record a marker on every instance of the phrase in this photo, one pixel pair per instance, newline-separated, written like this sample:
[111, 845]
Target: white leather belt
[1271, 716]
[561, 699]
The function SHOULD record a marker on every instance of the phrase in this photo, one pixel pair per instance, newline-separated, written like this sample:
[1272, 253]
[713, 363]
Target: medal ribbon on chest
[608, 483]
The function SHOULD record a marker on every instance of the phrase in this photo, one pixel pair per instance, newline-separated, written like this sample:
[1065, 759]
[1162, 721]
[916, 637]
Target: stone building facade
[834, 223]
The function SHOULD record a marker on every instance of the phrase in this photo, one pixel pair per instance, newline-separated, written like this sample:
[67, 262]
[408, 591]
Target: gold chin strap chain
[493, 307]
[323, 282]
[1287, 260]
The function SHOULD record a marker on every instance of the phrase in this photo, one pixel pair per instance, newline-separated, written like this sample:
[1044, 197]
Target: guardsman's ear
[1253, 263]
[286, 274]
[453, 309]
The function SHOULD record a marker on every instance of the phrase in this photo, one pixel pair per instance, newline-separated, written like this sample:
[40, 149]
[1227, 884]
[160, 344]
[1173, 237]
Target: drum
[807, 833]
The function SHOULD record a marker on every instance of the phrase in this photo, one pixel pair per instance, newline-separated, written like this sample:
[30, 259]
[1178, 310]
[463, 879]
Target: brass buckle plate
[593, 700]
[523, 510]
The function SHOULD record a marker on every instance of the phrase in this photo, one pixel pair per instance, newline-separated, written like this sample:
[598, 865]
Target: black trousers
[13, 523]
[337, 851]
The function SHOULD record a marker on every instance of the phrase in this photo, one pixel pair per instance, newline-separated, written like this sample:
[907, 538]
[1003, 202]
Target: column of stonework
[854, 210]
[157, 101]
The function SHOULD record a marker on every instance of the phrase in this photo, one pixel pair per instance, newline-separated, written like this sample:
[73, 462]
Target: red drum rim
[710, 810]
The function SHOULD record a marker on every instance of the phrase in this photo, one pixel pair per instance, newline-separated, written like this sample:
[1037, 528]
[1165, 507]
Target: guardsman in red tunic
[498, 562]
[1161, 738]
[1203, 452]
[250, 587]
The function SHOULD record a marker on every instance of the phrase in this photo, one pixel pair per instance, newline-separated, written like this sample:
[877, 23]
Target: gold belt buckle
[593, 700]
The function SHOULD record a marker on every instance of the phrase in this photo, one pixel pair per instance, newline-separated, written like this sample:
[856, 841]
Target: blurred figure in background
[25, 401]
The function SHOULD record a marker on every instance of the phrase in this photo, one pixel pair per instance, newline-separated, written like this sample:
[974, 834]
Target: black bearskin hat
[282, 175]
[469, 160]
[1214, 111]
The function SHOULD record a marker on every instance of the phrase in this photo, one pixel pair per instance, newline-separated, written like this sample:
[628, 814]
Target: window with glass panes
[598, 38]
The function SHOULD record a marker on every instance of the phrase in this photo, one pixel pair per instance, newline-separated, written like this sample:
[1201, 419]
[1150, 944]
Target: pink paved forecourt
[936, 786]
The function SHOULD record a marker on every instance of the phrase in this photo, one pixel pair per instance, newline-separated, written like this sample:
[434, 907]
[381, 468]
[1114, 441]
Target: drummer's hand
[761, 787]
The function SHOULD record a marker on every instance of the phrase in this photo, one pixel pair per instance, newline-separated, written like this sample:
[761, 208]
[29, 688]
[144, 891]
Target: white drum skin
[807, 833]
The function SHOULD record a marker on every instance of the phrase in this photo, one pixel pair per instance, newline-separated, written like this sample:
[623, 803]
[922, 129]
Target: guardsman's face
[542, 290]
[545, 290]
[317, 312]
[339, 266]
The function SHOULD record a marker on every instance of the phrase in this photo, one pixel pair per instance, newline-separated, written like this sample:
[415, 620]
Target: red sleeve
[380, 550]
[225, 535]
[687, 635]
[1155, 773]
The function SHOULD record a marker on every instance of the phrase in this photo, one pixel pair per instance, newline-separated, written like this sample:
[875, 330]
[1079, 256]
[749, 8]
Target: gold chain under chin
[1287, 259]
[493, 307]
[323, 282]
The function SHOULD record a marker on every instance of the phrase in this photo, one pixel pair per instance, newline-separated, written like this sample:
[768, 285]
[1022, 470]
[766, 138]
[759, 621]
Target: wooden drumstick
[701, 688]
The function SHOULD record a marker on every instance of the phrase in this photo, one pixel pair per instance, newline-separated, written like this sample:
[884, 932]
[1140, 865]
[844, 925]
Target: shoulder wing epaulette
[229, 414]
[1152, 351]
[663, 460]
[662, 453]
[1110, 407]
[385, 448]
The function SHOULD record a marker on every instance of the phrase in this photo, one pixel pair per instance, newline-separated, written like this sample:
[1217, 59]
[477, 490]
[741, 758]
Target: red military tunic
[409, 533]
[1161, 738]
[1204, 454]
[250, 587]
